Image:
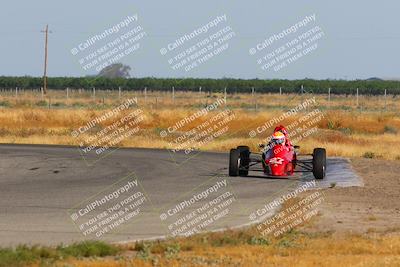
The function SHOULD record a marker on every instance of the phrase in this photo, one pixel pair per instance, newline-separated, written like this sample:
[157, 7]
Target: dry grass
[247, 247]
[344, 131]
[157, 99]
[239, 249]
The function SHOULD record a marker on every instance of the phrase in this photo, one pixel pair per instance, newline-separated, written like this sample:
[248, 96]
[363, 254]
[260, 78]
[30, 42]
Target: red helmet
[281, 129]
[278, 137]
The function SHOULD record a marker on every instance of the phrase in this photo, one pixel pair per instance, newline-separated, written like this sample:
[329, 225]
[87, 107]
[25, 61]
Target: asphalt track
[41, 186]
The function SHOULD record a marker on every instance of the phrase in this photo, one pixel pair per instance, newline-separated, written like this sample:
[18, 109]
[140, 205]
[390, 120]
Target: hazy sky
[361, 39]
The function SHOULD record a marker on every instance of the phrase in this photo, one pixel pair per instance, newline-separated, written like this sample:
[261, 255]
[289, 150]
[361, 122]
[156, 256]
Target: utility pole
[225, 96]
[46, 31]
[329, 96]
[385, 100]
[357, 97]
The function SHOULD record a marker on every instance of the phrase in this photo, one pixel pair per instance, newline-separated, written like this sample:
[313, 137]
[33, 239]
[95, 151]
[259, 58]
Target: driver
[278, 138]
[283, 130]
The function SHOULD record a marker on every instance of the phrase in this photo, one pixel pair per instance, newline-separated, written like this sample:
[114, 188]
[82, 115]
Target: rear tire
[234, 162]
[244, 160]
[319, 163]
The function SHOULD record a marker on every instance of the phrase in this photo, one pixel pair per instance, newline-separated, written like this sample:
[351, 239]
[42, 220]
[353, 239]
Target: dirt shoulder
[372, 208]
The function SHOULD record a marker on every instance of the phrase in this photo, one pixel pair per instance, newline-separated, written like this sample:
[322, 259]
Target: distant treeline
[372, 87]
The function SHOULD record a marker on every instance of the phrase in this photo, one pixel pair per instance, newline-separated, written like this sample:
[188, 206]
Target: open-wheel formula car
[280, 160]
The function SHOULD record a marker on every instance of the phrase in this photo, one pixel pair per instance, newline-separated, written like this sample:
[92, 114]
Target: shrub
[23, 255]
[369, 155]
[333, 125]
[41, 103]
[172, 251]
[390, 129]
[5, 104]
[285, 243]
[259, 241]
[144, 251]
[89, 249]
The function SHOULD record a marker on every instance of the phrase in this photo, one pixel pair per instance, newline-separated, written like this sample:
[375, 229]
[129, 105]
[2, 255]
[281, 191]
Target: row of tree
[372, 86]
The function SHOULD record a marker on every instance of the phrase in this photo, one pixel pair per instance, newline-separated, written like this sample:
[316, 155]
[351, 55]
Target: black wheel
[234, 162]
[319, 163]
[241, 148]
[244, 160]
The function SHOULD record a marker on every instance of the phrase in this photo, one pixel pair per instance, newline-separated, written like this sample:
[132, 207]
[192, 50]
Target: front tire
[234, 162]
[319, 163]
[244, 160]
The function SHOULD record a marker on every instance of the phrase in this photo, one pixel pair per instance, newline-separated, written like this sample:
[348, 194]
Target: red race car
[278, 158]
